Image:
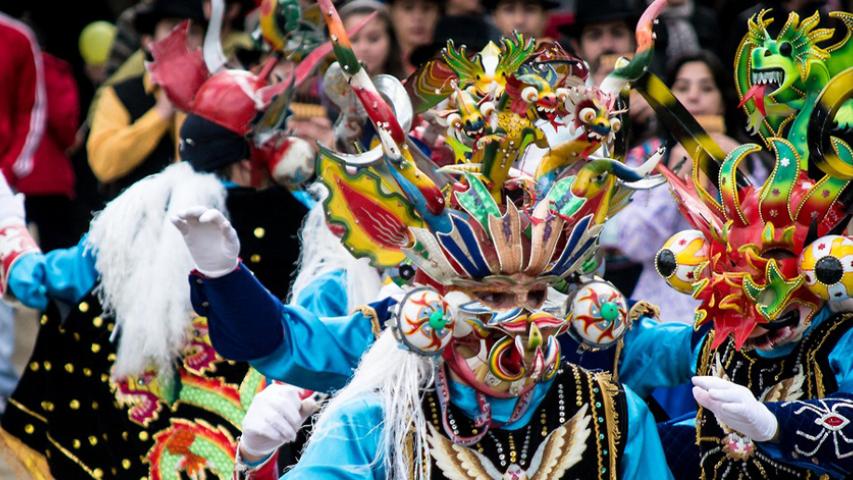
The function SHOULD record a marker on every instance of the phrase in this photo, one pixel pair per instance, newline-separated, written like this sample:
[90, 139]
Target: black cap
[146, 19]
[491, 5]
[441, 3]
[601, 11]
[208, 146]
[469, 30]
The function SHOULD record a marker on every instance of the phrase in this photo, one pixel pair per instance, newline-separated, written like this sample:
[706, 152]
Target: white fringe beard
[143, 265]
[398, 378]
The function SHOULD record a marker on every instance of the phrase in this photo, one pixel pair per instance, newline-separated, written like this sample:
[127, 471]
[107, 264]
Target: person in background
[602, 31]
[376, 44]
[126, 42]
[127, 57]
[134, 123]
[49, 185]
[22, 120]
[24, 106]
[705, 87]
[414, 24]
[528, 17]
[687, 26]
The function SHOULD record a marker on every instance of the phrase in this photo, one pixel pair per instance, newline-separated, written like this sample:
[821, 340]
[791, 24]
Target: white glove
[273, 419]
[211, 240]
[736, 406]
[11, 205]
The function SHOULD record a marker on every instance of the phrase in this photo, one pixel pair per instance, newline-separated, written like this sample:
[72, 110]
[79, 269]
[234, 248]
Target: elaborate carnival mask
[755, 260]
[486, 243]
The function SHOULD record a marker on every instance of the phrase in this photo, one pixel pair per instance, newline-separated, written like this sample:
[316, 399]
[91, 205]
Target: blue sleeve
[841, 362]
[643, 457]
[244, 318]
[814, 434]
[326, 295]
[819, 427]
[66, 274]
[318, 354]
[658, 354]
[345, 448]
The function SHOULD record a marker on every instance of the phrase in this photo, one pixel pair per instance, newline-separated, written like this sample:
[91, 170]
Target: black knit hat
[208, 147]
[601, 11]
[146, 19]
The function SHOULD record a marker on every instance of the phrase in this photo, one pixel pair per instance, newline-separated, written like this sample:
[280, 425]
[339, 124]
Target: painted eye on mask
[682, 259]
[827, 265]
[587, 115]
[423, 322]
[599, 315]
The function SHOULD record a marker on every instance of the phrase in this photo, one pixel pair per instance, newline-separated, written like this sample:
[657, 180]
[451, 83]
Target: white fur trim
[143, 265]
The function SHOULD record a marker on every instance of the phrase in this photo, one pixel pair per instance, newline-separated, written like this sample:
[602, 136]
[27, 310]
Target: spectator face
[372, 44]
[695, 88]
[526, 18]
[605, 38]
[165, 26]
[414, 22]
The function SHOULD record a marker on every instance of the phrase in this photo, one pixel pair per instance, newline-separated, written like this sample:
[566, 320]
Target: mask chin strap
[483, 421]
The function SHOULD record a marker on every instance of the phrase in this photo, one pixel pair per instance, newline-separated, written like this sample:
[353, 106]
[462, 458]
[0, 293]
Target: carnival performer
[479, 309]
[123, 380]
[770, 265]
[537, 92]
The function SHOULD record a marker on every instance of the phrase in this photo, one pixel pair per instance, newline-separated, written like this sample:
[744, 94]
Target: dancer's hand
[273, 419]
[736, 406]
[211, 240]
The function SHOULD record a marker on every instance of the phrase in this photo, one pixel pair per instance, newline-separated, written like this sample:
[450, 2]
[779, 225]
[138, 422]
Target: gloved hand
[11, 205]
[273, 419]
[211, 240]
[736, 406]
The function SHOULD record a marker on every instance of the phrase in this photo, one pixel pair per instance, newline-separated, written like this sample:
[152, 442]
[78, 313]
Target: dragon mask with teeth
[796, 85]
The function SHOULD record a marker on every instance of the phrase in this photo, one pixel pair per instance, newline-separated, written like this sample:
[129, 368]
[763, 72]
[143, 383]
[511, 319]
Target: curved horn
[634, 69]
[214, 57]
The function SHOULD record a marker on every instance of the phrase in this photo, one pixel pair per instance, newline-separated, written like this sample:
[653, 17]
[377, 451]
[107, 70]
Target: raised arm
[288, 343]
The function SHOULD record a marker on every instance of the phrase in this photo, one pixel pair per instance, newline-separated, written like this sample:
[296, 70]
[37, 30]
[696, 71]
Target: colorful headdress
[487, 241]
[742, 263]
[765, 256]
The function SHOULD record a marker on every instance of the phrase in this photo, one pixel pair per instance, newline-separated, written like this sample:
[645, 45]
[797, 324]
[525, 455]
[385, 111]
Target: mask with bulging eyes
[495, 336]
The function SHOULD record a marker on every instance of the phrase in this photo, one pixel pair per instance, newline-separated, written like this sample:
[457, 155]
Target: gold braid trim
[620, 344]
[609, 390]
[22, 458]
[26, 410]
[96, 473]
[371, 315]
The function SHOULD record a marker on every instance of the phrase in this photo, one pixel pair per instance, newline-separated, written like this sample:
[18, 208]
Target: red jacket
[23, 102]
[39, 113]
[52, 172]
